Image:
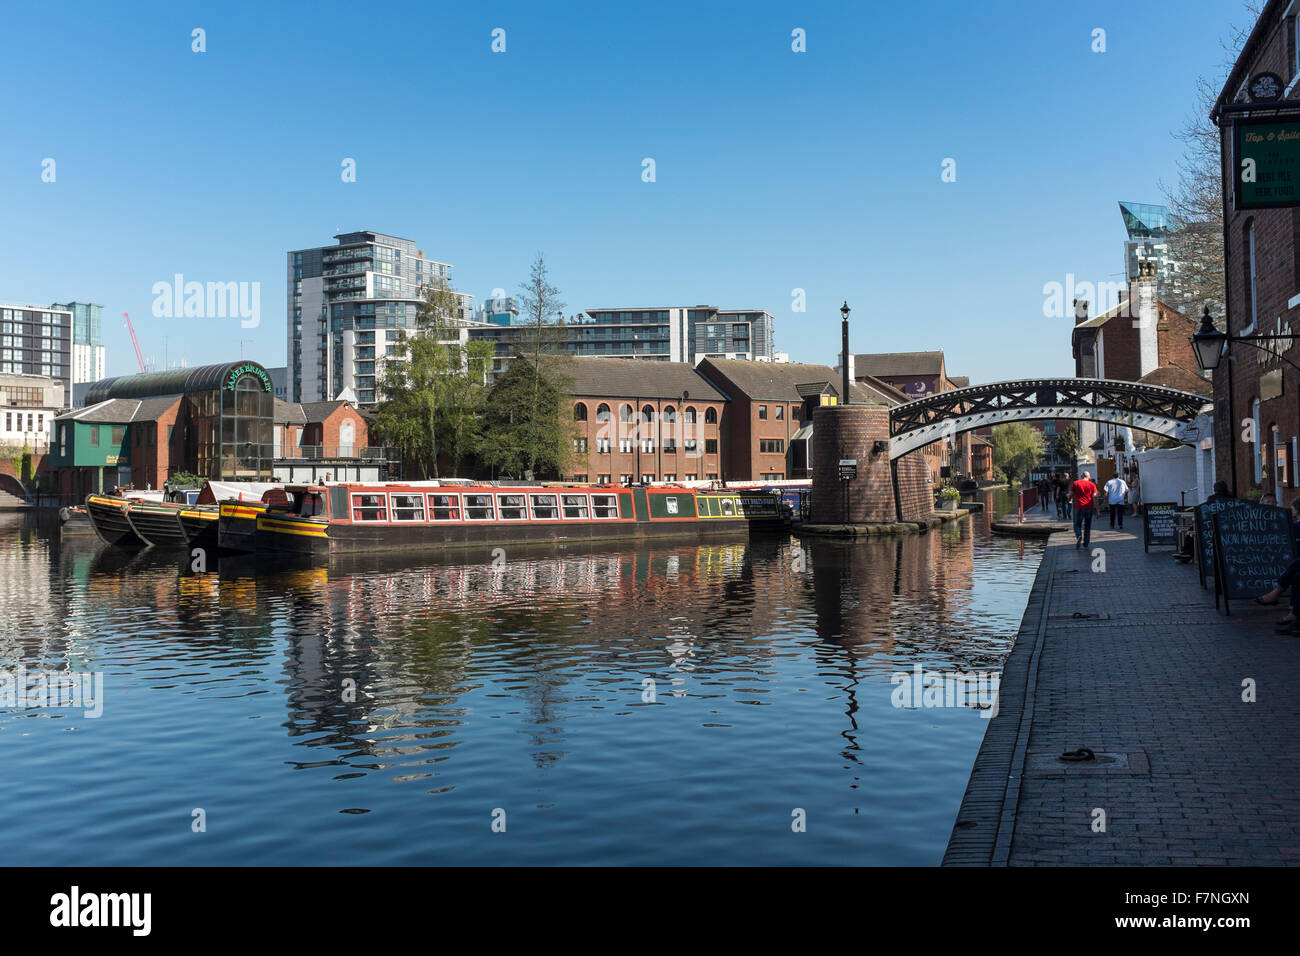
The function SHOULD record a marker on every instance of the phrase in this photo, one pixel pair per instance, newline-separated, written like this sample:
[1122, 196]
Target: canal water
[719, 703]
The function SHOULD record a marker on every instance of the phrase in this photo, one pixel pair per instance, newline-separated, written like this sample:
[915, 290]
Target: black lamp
[1208, 343]
[844, 312]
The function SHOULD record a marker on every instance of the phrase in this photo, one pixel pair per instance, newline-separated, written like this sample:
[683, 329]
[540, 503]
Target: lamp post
[844, 360]
[1211, 345]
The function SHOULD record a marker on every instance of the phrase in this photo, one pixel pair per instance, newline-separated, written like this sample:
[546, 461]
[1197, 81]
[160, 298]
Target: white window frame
[522, 507]
[453, 504]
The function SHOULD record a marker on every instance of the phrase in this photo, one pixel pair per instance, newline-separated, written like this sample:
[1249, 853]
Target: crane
[139, 357]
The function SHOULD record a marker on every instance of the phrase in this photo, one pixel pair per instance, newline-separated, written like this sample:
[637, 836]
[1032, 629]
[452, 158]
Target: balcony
[370, 453]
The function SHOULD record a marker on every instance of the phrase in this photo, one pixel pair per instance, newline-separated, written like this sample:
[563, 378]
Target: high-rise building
[1149, 229]
[348, 307]
[87, 341]
[37, 340]
[686, 334]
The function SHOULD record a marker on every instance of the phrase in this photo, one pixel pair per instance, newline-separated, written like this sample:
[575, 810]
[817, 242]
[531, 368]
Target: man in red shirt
[1082, 492]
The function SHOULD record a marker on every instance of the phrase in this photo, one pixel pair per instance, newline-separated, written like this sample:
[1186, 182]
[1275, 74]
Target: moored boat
[157, 523]
[107, 515]
[390, 516]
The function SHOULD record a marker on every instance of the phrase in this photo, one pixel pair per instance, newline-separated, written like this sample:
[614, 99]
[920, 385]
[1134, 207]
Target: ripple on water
[669, 704]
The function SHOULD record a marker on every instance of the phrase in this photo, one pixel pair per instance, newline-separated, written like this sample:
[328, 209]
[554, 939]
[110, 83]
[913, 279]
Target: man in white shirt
[1116, 494]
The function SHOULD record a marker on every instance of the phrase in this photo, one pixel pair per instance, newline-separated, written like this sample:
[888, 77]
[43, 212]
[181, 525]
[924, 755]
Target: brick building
[642, 421]
[916, 375]
[217, 421]
[1129, 342]
[1262, 275]
[767, 423]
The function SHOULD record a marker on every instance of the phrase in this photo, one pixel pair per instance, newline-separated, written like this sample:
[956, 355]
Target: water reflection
[664, 704]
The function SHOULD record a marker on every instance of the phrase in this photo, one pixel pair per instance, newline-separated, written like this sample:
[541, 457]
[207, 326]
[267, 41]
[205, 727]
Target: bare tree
[1196, 201]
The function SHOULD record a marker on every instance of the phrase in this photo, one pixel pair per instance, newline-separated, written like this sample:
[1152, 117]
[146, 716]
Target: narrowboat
[236, 531]
[348, 517]
[160, 523]
[107, 515]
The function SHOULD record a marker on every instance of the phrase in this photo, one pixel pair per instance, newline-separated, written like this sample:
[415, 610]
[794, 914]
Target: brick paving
[1149, 671]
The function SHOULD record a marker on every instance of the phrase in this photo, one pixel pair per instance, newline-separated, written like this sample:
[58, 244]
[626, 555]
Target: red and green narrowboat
[393, 516]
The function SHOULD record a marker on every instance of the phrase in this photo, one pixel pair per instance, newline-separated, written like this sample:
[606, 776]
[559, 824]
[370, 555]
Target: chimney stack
[1080, 311]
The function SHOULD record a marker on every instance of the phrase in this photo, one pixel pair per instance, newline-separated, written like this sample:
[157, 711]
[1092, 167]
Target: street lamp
[844, 362]
[1209, 343]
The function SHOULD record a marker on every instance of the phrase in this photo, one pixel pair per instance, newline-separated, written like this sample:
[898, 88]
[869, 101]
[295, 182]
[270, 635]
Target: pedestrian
[1044, 492]
[1287, 625]
[1083, 492]
[1221, 492]
[1116, 497]
[1135, 492]
[1066, 504]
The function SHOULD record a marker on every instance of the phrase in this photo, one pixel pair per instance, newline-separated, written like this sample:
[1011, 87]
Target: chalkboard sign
[1205, 513]
[1158, 525]
[1252, 547]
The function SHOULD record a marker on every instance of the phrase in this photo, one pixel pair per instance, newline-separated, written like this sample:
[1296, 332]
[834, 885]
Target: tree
[1017, 448]
[1196, 202]
[526, 431]
[1067, 447]
[433, 389]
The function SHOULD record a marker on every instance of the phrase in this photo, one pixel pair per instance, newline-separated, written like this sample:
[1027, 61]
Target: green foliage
[1017, 448]
[524, 431]
[432, 394]
[185, 479]
[1253, 494]
[949, 493]
[1067, 445]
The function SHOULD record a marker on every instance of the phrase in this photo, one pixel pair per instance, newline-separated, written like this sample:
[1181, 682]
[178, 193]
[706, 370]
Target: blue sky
[775, 170]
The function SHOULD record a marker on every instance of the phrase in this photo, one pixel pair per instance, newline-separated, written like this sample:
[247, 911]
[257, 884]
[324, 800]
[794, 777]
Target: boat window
[728, 506]
[512, 508]
[671, 503]
[604, 506]
[575, 506]
[408, 507]
[369, 508]
[445, 507]
[309, 505]
[544, 506]
[478, 507]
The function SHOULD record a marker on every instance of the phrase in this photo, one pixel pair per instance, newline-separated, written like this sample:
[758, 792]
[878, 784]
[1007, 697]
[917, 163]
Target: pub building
[1255, 384]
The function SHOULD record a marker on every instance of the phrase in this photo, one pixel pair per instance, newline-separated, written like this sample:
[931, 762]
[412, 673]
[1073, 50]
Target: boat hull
[157, 524]
[107, 515]
[290, 534]
[237, 526]
[202, 527]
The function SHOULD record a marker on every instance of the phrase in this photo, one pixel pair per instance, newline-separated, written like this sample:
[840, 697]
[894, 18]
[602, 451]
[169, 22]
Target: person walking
[1044, 492]
[1116, 495]
[1083, 492]
[1066, 504]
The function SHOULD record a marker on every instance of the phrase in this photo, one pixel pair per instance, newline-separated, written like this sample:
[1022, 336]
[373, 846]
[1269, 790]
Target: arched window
[625, 413]
[670, 413]
[647, 413]
[710, 416]
[689, 414]
[602, 412]
[580, 412]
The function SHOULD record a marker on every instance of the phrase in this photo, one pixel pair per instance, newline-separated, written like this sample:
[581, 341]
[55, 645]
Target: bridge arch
[1151, 408]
